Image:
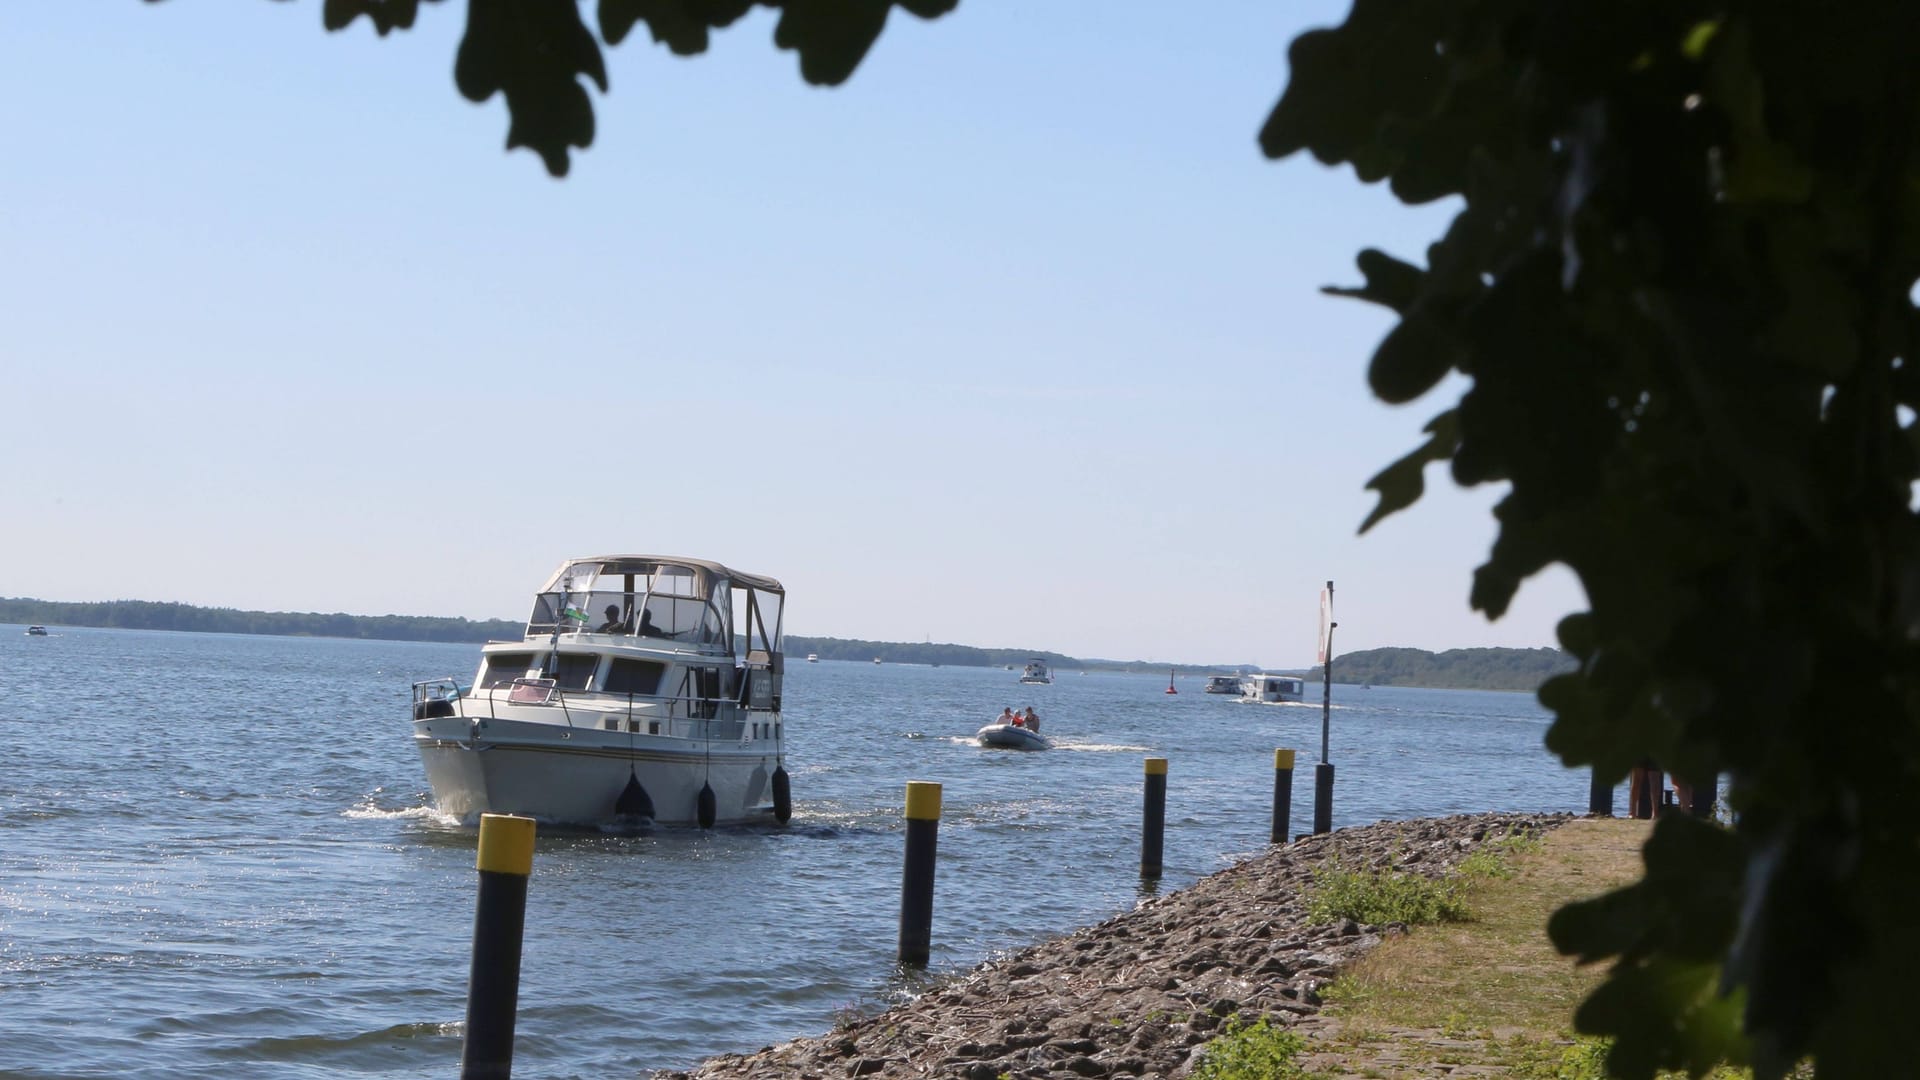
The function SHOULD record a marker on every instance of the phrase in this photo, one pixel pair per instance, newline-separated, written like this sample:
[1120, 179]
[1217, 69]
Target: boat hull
[576, 776]
[1008, 737]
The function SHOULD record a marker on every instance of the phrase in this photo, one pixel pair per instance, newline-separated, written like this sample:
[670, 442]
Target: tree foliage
[1680, 286]
[537, 52]
[1679, 283]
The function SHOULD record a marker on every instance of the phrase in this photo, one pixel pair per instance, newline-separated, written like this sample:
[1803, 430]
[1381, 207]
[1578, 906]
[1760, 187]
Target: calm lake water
[217, 857]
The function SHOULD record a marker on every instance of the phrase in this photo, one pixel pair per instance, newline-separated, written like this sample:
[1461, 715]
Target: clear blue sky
[1014, 340]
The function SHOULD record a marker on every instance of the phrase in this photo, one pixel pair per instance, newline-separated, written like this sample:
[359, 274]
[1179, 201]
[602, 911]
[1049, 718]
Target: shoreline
[1136, 994]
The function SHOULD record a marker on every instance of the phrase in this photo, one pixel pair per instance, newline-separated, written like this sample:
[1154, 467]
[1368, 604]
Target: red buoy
[1170, 688]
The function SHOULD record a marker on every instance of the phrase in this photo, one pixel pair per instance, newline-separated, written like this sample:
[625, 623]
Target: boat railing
[688, 716]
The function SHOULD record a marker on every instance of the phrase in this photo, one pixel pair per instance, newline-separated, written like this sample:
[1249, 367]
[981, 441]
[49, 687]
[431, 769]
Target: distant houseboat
[1272, 689]
[1223, 684]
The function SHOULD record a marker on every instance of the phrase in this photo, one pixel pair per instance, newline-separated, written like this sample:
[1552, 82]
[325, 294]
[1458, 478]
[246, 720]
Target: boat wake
[1102, 748]
[368, 810]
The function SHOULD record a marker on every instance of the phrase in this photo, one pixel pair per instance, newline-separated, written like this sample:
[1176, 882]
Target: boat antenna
[553, 639]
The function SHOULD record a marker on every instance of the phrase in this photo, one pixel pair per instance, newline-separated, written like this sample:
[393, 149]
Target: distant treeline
[1472, 669]
[906, 652]
[1455, 669]
[148, 615]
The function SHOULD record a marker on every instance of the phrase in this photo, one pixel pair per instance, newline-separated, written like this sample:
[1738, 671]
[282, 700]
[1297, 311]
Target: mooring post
[1323, 798]
[1153, 819]
[1323, 772]
[916, 882]
[505, 861]
[1599, 796]
[1282, 795]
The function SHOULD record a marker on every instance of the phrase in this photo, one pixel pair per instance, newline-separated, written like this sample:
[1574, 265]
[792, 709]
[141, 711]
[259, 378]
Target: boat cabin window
[576, 670]
[633, 676]
[544, 613]
[756, 619]
[503, 668]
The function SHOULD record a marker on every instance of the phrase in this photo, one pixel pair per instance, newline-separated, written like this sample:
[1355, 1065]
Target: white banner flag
[1326, 621]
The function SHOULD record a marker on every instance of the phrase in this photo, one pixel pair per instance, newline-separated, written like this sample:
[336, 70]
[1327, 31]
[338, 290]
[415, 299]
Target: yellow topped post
[505, 862]
[506, 844]
[916, 879]
[1282, 795]
[923, 800]
[1153, 818]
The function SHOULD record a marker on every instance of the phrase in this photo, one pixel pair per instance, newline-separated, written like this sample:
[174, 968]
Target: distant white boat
[1036, 672]
[1272, 689]
[1223, 684]
[876, 659]
[813, 658]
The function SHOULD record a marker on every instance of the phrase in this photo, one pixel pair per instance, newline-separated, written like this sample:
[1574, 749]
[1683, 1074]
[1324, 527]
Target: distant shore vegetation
[1454, 669]
[152, 615]
[1470, 669]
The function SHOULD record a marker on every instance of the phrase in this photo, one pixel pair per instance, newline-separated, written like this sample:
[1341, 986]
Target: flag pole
[1323, 772]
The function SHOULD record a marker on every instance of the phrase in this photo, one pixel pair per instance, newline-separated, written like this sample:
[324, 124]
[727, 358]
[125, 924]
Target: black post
[916, 882]
[1282, 795]
[1323, 772]
[1322, 798]
[1153, 819]
[500, 916]
[1599, 796]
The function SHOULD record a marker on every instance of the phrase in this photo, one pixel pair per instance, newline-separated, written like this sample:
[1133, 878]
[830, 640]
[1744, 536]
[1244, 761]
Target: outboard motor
[432, 707]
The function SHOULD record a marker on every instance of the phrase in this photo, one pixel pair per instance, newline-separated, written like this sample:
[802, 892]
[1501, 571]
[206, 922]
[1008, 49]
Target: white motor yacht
[625, 701]
[1272, 689]
[1036, 671]
[1223, 684]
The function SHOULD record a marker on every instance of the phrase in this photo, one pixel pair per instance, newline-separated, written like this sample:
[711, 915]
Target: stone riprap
[1135, 995]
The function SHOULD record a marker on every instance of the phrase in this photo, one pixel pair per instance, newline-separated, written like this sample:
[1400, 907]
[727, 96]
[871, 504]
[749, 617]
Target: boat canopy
[692, 602]
[586, 570]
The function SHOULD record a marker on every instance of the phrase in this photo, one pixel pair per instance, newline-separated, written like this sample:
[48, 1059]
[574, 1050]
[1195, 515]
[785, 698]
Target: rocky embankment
[1136, 994]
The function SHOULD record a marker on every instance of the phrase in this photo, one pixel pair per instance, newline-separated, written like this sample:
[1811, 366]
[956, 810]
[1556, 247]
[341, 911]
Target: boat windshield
[681, 604]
